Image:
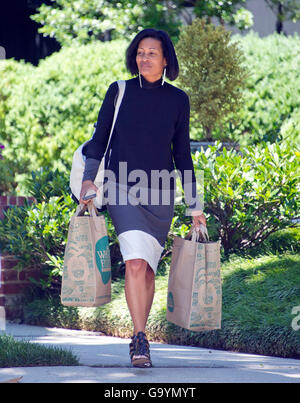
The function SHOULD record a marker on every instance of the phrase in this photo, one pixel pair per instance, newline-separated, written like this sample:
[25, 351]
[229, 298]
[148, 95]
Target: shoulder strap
[122, 85]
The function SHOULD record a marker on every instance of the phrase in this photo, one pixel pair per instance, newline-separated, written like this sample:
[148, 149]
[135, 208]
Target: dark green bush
[272, 99]
[52, 111]
[37, 234]
[250, 194]
[46, 183]
[48, 110]
[213, 73]
[248, 197]
[12, 74]
[50, 312]
[284, 240]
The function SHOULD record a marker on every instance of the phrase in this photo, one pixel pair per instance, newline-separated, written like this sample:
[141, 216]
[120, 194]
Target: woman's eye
[150, 54]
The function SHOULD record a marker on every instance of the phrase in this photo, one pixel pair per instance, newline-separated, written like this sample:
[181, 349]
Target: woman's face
[150, 59]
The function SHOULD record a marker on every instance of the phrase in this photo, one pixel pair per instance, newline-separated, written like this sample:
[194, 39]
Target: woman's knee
[136, 267]
[150, 273]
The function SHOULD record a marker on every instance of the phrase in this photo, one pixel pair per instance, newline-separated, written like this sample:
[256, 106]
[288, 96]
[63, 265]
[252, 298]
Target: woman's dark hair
[172, 69]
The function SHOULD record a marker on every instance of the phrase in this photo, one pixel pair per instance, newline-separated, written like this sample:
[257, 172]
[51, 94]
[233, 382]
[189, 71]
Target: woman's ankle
[136, 332]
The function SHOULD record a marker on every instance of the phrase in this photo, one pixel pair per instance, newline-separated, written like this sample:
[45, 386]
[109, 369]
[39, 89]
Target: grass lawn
[15, 353]
[258, 297]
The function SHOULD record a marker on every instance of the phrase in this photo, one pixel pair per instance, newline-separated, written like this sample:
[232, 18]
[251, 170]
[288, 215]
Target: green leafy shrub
[37, 313]
[290, 130]
[279, 242]
[47, 111]
[250, 200]
[7, 183]
[12, 74]
[179, 227]
[248, 197]
[37, 234]
[272, 95]
[46, 183]
[287, 239]
[53, 110]
[212, 72]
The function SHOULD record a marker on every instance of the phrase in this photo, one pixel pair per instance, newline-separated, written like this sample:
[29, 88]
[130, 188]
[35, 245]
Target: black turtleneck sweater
[151, 131]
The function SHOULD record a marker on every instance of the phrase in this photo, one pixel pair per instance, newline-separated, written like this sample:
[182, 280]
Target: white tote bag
[78, 162]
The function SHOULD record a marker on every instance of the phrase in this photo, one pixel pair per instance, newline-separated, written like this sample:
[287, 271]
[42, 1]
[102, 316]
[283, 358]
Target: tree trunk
[207, 131]
[279, 24]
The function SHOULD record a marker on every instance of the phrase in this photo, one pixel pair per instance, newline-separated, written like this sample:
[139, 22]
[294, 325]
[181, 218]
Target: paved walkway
[105, 359]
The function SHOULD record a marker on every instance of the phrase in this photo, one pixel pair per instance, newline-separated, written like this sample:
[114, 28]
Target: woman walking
[151, 133]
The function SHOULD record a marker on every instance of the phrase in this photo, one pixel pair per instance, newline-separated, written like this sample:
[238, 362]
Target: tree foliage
[285, 10]
[211, 72]
[84, 21]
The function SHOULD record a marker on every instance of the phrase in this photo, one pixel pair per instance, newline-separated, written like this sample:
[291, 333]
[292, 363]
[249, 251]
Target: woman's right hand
[86, 186]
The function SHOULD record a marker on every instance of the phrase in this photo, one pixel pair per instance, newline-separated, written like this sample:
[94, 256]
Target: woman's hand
[86, 186]
[199, 219]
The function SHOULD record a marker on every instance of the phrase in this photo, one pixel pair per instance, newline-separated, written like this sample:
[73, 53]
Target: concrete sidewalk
[105, 359]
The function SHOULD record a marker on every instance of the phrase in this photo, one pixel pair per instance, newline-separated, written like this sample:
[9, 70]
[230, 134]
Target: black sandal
[132, 347]
[141, 356]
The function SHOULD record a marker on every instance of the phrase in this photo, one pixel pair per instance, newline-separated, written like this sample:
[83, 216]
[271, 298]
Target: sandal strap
[142, 346]
[139, 351]
[132, 346]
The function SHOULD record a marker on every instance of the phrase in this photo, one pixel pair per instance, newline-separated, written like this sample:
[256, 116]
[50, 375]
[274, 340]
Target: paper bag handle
[81, 209]
[196, 234]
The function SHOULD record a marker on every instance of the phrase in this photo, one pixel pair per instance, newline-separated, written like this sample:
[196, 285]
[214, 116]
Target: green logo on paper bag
[170, 302]
[103, 259]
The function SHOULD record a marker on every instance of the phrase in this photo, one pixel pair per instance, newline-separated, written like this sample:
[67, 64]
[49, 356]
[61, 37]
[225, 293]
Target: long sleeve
[183, 160]
[96, 147]
[90, 169]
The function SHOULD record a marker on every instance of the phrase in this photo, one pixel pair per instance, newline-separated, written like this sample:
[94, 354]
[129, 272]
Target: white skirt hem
[136, 244]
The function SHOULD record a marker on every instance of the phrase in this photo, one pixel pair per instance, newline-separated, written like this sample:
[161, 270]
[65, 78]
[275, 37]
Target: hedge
[48, 110]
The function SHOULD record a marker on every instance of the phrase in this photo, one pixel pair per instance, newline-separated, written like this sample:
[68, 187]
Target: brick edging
[15, 200]
[13, 282]
[10, 201]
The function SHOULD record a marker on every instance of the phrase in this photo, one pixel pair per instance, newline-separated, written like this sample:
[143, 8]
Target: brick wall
[8, 201]
[13, 282]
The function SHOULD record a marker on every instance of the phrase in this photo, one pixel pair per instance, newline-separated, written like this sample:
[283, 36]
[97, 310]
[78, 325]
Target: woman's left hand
[199, 219]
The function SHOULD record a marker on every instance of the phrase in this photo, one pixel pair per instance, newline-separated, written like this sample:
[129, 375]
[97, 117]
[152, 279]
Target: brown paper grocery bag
[86, 279]
[194, 289]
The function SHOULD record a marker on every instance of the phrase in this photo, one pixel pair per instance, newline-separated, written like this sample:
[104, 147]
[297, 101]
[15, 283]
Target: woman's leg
[139, 291]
